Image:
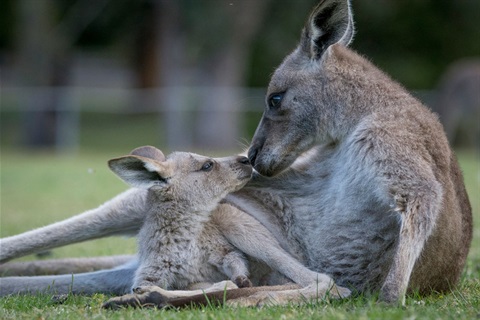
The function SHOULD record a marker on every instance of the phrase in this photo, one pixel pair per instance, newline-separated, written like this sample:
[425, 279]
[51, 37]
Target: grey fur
[359, 181]
[179, 245]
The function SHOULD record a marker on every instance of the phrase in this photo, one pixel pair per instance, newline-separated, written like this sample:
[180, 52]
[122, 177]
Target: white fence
[174, 107]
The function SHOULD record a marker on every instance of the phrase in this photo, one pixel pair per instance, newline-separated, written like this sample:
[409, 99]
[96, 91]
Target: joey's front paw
[142, 297]
[243, 282]
[144, 289]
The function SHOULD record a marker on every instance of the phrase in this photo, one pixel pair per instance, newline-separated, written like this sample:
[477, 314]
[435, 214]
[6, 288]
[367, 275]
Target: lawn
[37, 189]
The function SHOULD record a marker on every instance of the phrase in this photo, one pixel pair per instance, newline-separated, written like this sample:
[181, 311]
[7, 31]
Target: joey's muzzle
[246, 169]
[243, 160]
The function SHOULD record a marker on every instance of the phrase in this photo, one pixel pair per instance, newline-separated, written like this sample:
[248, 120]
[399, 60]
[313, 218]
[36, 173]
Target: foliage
[416, 40]
[412, 40]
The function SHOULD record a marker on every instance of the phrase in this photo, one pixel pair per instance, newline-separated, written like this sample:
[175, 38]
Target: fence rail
[174, 106]
[181, 111]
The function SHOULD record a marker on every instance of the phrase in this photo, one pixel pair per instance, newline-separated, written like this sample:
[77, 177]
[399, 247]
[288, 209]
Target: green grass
[37, 189]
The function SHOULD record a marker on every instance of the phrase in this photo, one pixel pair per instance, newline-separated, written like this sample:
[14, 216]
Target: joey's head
[193, 180]
[301, 103]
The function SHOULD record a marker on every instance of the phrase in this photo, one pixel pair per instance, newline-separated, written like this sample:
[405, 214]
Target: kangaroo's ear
[149, 152]
[141, 172]
[330, 22]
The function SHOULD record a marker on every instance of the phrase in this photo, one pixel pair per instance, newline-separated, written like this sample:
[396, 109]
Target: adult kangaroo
[355, 179]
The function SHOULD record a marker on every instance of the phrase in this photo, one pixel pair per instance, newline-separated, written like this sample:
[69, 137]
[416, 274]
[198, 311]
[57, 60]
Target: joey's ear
[330, 22]
[140, 172]
[149, 152]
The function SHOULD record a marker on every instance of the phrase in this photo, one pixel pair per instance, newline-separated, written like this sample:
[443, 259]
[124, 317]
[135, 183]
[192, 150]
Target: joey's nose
[243, 160]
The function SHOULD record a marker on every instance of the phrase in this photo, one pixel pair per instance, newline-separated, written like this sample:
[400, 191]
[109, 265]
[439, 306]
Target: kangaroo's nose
[244, 160]
[252, 155]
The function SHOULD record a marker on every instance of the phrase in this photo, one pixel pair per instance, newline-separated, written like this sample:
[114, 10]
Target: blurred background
[89, 75]
[83, 81]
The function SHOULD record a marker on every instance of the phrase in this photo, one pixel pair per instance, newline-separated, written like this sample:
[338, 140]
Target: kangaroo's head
[196, 181]
[302, 109]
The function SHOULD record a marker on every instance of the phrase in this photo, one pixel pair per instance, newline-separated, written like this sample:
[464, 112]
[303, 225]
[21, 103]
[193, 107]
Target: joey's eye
[275, 99]
[207, 166]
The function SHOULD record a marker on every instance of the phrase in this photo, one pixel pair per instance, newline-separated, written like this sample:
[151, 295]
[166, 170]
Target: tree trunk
[220, 119]
[34, 68]
[170, 70]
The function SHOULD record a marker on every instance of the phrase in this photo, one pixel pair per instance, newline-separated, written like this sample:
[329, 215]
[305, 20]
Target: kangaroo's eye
[275, 99]
[207, 166]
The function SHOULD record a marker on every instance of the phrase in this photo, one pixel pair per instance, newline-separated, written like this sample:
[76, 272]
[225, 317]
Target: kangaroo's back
[441, 264]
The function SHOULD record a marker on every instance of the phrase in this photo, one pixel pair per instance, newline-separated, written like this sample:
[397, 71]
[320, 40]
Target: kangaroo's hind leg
[113, 281]
[62, 266]
[252, 238]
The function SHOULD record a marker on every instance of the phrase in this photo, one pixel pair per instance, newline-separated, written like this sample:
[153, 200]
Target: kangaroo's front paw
[391, 296]
[142, 297]
[338, 292]
[324, 286]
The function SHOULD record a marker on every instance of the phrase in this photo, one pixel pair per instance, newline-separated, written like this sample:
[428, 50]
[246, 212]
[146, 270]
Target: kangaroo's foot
[153, 296]
[142, 297]
[299, 296]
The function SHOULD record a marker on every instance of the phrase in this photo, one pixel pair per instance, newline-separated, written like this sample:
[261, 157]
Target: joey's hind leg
[151, 275]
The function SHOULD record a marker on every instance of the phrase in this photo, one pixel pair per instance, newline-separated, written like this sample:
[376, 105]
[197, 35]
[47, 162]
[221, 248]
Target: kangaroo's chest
[340, 224]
